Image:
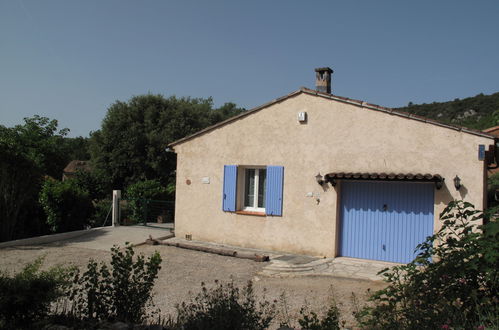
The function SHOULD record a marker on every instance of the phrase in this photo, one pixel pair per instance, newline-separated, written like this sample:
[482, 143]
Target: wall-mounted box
[302, 117]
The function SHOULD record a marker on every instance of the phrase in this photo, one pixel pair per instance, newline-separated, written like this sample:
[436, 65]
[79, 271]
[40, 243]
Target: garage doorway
[385, 220]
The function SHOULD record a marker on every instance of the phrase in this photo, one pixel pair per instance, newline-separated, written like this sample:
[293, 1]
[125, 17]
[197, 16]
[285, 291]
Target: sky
[70, 60]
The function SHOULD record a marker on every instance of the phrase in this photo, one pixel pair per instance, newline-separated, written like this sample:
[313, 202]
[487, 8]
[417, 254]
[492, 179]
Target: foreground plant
[452, 283]
[122, 292]
[25, 297]
[225, 307]
[309, 320]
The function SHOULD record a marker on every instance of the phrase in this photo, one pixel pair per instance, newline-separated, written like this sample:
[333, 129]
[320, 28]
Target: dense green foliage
[25, 298]
[330, 321]
[225, 307]
[453, 282]
[148, 189]
[67, 206]
[102, 213]
[76, 148]
[139, 194]
[94, 182]
[479, 112]
[27, 153]
[492, 196]
[130, 146]
[122, 292]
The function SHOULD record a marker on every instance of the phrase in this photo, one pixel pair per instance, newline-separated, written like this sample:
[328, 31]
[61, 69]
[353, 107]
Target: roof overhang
[333, 177]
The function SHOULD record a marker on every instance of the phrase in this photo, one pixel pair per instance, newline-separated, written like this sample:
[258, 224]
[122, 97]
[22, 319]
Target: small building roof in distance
[75, 165]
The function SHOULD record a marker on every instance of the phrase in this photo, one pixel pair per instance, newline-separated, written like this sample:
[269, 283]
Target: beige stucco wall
[336, 137]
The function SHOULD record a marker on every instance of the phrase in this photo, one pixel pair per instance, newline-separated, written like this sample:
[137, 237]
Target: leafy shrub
[123, 292]
[139, 193]
[457, 289]
[330, 321]
[25, 298]
[101, 213]
[67, 206]
[225, 307]
[95, 182]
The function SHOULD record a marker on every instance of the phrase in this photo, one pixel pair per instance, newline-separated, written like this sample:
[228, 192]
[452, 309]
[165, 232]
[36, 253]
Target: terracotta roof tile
[418, 177]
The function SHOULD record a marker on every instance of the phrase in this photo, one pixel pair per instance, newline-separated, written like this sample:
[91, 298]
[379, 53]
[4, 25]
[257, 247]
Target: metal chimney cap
[328, 69]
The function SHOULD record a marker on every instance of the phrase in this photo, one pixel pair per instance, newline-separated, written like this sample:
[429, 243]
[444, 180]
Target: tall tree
[27, 153]
[76, 148]
[130, 146]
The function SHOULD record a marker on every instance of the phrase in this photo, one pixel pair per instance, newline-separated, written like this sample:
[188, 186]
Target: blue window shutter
[230, 188]
[273, 194]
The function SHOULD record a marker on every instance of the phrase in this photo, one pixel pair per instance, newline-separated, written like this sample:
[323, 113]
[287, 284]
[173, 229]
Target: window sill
[259, 214]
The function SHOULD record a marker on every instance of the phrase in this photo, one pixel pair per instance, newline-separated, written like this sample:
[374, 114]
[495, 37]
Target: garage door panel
[385, 220]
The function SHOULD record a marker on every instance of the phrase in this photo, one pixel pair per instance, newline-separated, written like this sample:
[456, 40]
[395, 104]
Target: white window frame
[241, 191]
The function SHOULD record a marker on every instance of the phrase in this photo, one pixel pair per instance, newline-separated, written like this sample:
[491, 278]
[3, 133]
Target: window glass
[262, 176]
[249, 188]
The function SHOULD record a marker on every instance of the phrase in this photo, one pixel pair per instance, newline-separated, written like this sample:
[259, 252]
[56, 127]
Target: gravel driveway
[183, 271]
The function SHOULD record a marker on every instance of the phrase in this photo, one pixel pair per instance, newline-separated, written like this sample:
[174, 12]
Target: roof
[492, 130]
[435, 178]
[76, 165]
[359, 103]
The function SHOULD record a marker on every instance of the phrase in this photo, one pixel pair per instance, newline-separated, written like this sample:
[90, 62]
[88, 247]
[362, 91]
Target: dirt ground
[183, 271]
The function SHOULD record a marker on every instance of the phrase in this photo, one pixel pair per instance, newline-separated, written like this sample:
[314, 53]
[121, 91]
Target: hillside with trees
[478, 112]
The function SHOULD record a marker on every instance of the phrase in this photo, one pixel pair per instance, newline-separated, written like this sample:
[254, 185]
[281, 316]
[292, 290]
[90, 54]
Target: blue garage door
[385, 220]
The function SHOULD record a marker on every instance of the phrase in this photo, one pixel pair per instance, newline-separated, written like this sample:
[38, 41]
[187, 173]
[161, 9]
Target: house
[319, 174]
[73, 167]
[493, 131]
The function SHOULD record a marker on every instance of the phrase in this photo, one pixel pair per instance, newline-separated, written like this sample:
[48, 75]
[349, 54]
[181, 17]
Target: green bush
[225, 307]
[67, 206]
[95, 182]
[122, 292]
[492, 185]
[102, 211]
[309, 320]
[452, 283]
[25, 298]
[139, 193]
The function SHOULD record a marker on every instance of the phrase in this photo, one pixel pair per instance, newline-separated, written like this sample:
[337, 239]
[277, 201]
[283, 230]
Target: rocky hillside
[474, 112]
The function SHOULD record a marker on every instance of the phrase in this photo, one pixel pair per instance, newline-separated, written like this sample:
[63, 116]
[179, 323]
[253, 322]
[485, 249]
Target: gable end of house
[359, 103]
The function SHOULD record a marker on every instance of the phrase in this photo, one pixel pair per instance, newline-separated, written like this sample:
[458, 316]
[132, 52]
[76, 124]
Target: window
[253, 189]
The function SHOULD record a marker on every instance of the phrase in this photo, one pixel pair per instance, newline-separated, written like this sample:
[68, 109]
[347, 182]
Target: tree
[19, 184]
[67, 205]
[130, 146]
[76, 148]
[27, 153]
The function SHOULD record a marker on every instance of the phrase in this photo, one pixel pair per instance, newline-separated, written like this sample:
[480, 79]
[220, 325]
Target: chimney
[323, 79]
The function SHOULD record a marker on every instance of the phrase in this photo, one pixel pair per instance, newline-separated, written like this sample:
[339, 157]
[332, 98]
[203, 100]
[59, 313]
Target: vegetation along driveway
[183, 271]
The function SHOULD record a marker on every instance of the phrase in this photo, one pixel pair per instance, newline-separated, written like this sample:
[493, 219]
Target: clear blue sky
[70, 60]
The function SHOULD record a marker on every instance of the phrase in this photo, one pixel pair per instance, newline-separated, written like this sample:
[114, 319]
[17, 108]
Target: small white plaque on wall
[205, 180]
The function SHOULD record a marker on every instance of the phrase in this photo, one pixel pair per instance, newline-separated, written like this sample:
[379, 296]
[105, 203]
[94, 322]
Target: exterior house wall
[338, 137]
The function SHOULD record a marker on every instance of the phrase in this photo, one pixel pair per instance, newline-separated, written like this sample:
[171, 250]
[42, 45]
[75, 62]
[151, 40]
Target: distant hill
[472, 112]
